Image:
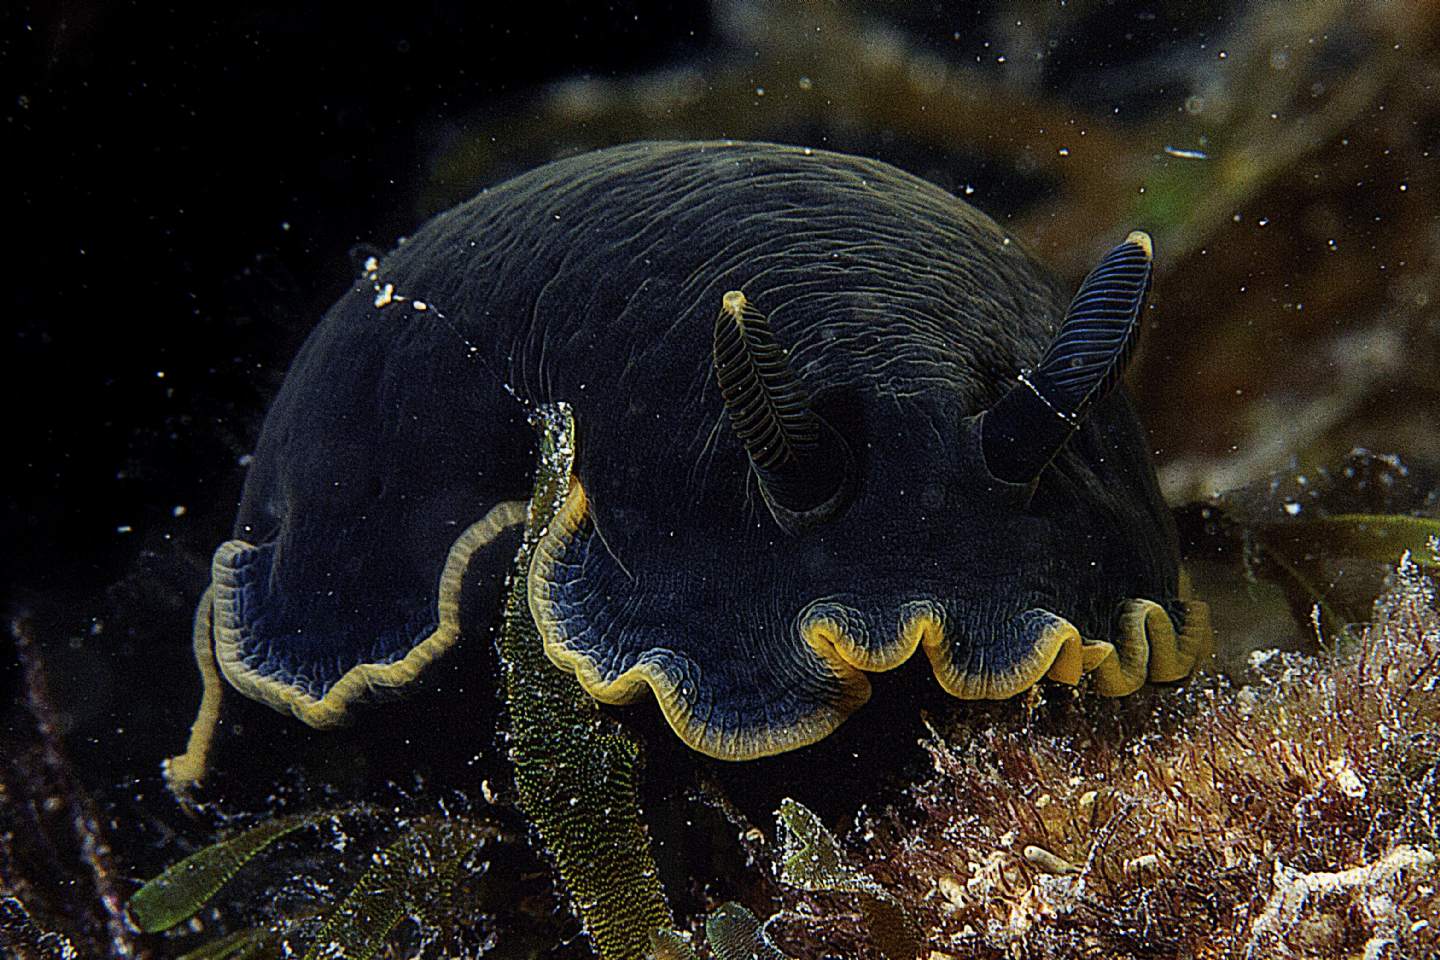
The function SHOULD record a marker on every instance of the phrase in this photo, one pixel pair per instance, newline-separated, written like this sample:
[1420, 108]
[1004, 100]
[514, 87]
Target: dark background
[189, 183]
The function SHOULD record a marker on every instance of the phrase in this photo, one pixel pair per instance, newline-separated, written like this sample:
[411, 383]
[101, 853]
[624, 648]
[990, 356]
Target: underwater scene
[734, 479]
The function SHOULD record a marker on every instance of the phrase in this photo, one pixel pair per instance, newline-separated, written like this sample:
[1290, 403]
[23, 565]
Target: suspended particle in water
[1186, 154]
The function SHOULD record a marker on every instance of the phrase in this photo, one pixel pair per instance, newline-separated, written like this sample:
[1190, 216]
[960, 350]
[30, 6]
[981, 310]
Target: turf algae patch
[812, 860]
[1294, 816]
[575, 772]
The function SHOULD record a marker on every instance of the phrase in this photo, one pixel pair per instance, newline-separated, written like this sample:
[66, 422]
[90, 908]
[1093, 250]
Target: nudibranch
[825, 414]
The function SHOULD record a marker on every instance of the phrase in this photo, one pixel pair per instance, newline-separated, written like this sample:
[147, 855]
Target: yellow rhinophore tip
[734, 303]
[1141, 239]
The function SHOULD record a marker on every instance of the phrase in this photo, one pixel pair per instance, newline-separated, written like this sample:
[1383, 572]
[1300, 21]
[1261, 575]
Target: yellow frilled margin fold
[630, 685]
[1149, 651]
[215, 623]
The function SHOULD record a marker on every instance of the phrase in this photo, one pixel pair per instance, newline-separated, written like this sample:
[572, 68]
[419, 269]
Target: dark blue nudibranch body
[779, 363]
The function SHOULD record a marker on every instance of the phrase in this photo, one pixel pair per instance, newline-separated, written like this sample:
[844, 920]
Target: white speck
[969, 190]
[371, 264]
[160, 374]
[1292, 508]
[420, 305]
[806, 83]
[384, 295]
[285, 225]
[1064, 151]
[1345, 777]
[246, 459]
[1258, 658]
[1263, 222]
[759, 91]
[178, 510]
[124, 528]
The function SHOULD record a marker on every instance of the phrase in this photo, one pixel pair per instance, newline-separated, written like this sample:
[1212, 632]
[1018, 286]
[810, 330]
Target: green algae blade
[415, 876]
[185, 887]
[1310, 554]
[575, 772]
[734, 933]
[669, 945]
[812, 860]
[1379, 537]
[247, 944]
